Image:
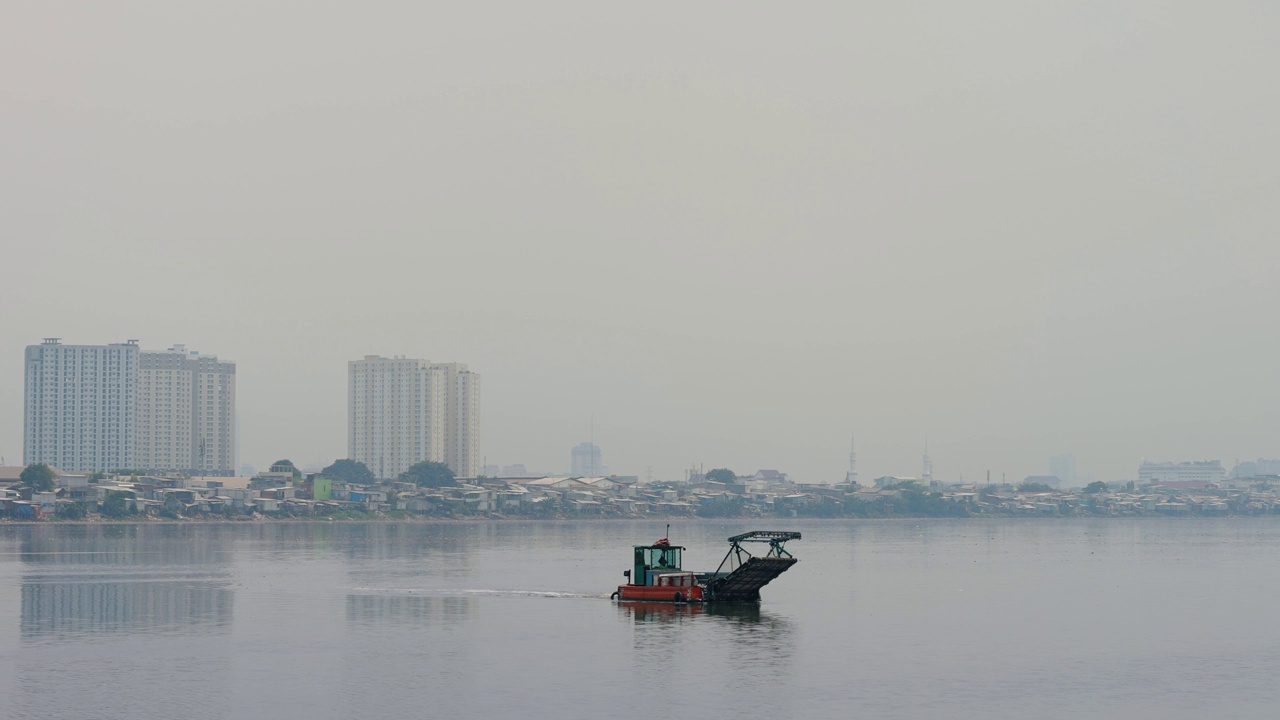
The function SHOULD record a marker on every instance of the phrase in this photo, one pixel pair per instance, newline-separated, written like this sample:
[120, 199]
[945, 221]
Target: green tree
[349, 471]
[1034, 487]
[39, 477]
[429, 474]
[73, 511]
[724, 475]
[1096, 486]
[115, 505]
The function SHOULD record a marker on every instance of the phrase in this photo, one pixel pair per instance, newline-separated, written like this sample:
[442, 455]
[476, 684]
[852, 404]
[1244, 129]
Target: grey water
[1101, 618]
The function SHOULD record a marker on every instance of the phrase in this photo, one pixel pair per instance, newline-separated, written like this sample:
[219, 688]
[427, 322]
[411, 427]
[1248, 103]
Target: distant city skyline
[1018, 229]
[164, 440]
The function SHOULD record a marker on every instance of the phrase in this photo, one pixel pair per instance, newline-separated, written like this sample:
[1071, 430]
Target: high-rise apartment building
[401, 411]
[80, 405]
[186, 413]
[1064, 468]
[586, 460]
[110, 407]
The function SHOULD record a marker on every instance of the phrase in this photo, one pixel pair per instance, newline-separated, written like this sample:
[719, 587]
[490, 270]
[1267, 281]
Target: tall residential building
[1256, 468]
[186, 413]
[111, 407]
[81, 405]
[587, 461]
[1064, 468]
[401, 411]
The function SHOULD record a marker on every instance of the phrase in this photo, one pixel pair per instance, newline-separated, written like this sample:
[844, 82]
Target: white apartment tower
[401, 411]
[96, 408]
[80, 405]
[186, 413]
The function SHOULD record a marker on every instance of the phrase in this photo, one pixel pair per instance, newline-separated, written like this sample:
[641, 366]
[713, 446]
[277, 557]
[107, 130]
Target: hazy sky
[734, 233]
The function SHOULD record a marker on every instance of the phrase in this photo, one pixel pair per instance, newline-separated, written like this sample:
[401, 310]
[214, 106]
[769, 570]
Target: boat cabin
[653, 561]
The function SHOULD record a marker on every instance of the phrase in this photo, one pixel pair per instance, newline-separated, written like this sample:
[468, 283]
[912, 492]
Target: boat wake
[473, 592]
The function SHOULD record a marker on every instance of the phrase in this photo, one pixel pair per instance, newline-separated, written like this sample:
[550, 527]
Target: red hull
[652, 593]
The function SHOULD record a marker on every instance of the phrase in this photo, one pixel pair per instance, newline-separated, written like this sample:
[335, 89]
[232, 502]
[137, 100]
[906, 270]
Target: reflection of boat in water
[658, 575]
[648, 611]
[664, 612]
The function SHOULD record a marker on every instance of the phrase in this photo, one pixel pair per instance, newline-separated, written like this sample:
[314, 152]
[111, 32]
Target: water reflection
[53, 609]
[117, 545]
[737, 643]
[658, 612]
[744, 623]
[365, 609]
[120, 579]
[739, 614]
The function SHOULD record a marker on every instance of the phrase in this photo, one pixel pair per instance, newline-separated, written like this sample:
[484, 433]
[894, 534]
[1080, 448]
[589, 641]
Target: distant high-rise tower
[587, 461]
[928, 464]
[851, 477]
[1064, 468]
[402, 411]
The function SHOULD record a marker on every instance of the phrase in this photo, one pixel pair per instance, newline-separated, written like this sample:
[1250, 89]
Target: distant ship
[658, 576]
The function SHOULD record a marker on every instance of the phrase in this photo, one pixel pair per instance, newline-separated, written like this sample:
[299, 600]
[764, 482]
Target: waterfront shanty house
[238, 497]
[555, 483]
[628, 506]
[623, 486]
[511, 498]
[317, 487]
[47, 501]
[475, 499]
[217, 483]
[183, 500]
[282, 493]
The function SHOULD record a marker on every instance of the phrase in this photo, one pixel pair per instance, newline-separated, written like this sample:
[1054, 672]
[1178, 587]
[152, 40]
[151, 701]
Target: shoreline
[416, 520]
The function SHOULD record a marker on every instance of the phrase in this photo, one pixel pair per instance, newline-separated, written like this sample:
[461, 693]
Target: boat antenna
[667, 534]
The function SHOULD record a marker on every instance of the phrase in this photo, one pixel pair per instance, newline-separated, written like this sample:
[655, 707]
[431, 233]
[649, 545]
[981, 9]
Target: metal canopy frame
[740, 555]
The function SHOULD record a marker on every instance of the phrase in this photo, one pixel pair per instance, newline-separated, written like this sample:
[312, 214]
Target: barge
[657, 573]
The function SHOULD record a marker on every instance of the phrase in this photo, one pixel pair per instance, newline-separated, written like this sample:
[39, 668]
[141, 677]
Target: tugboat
[658, 576]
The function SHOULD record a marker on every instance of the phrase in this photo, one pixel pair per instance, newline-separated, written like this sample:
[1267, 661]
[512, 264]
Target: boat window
[664, 557]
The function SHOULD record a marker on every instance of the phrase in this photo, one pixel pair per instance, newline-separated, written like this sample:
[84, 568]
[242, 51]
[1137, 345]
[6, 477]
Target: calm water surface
[1148, 618]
